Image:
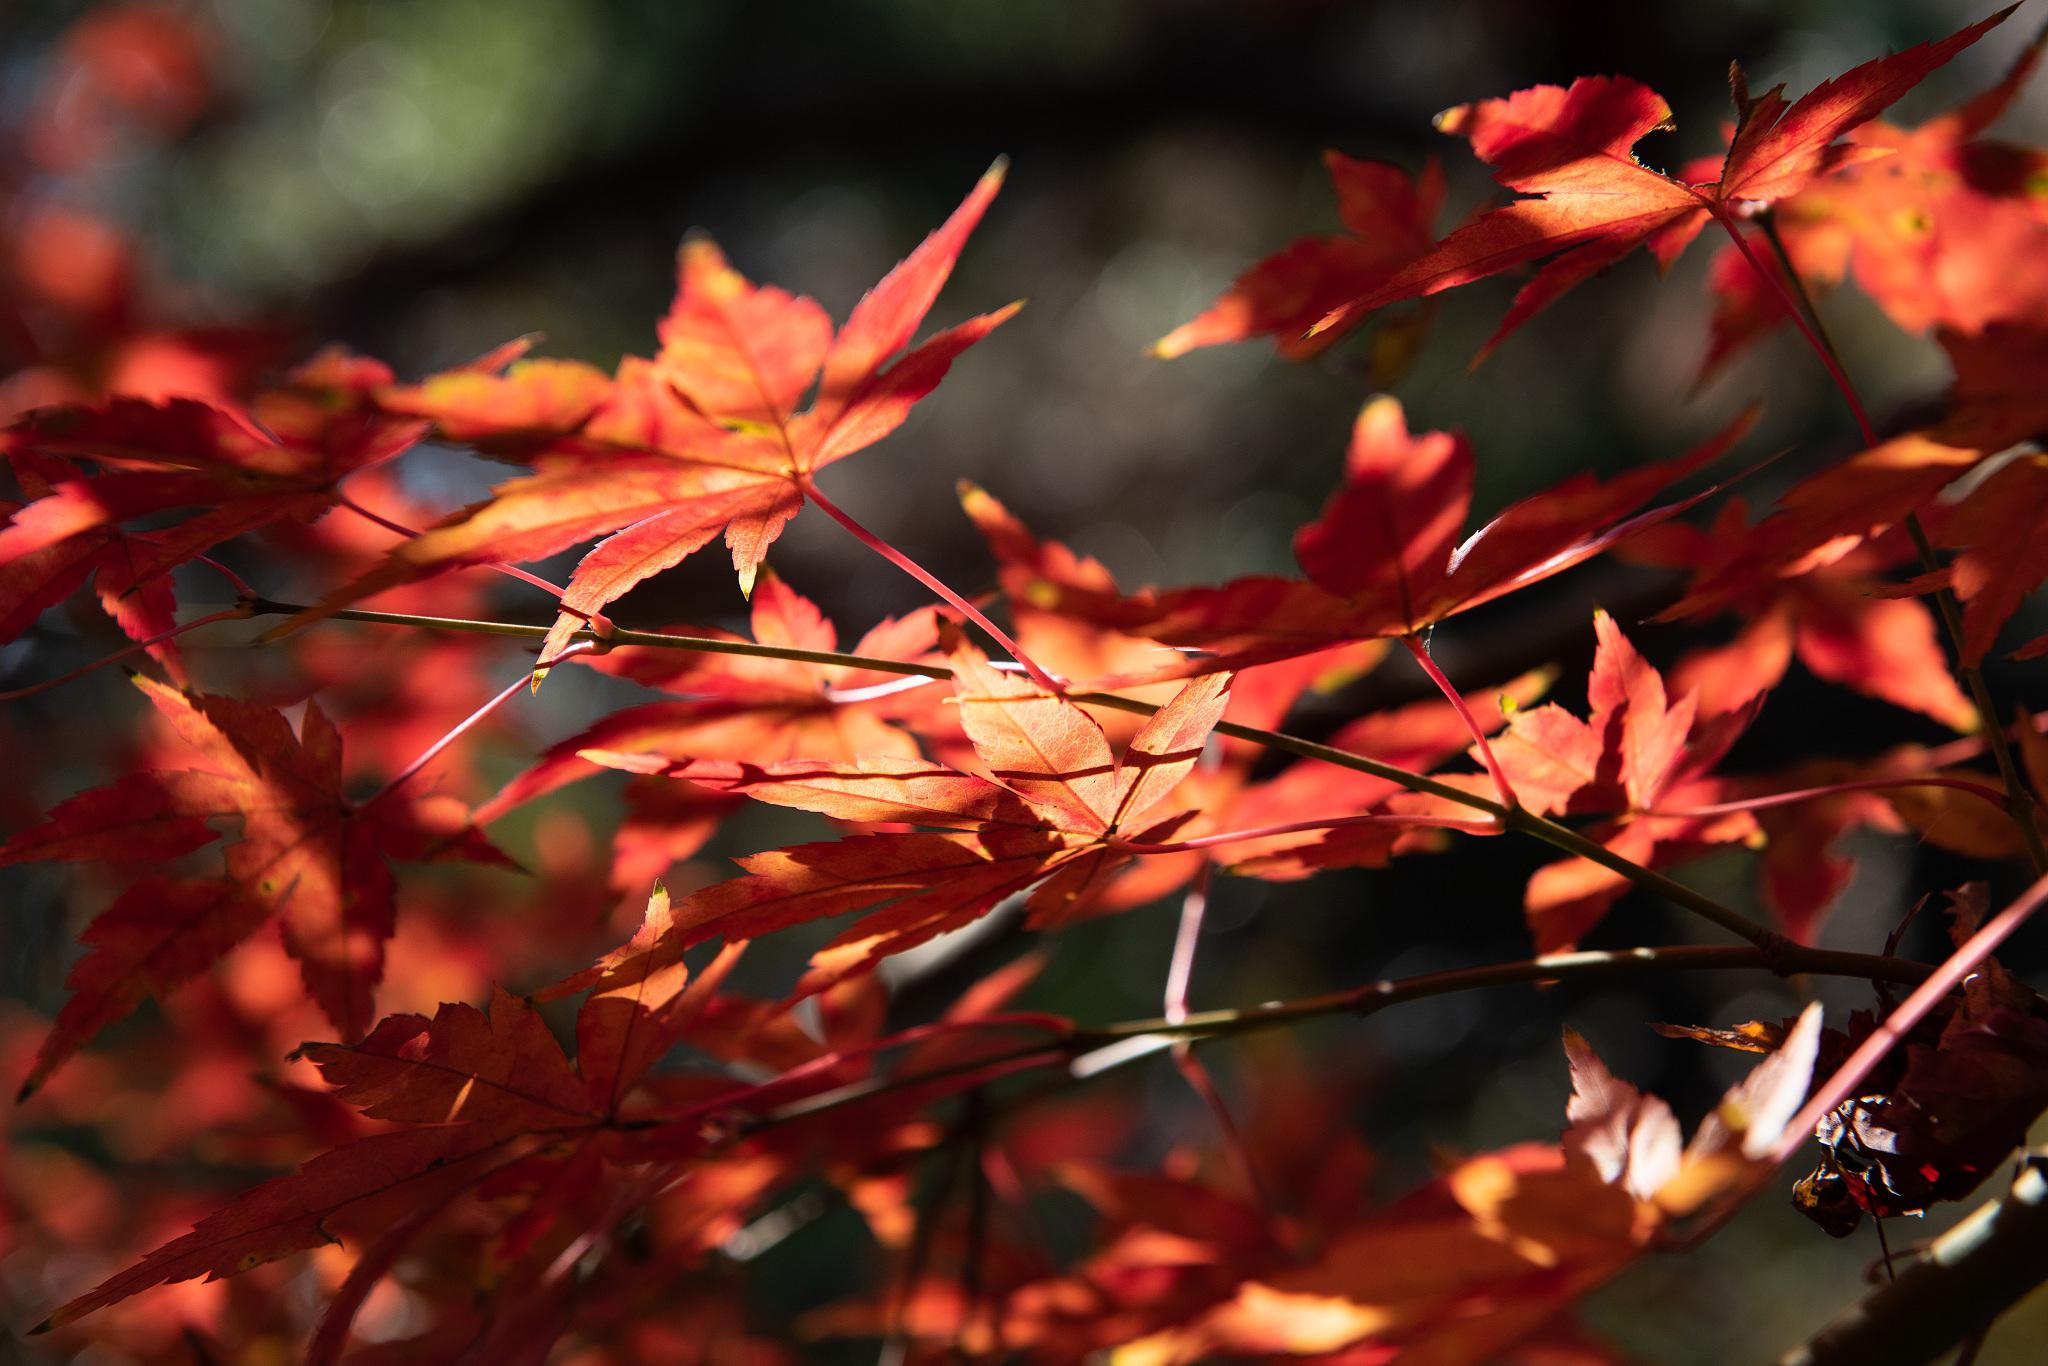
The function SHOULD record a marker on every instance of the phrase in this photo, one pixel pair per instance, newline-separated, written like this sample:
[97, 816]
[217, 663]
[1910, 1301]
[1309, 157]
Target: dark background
[423, 181]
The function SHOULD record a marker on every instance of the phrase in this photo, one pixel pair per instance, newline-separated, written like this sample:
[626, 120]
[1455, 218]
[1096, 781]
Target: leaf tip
[627, 763]
[1452, 120]
[1738, 91]
[45, 1326]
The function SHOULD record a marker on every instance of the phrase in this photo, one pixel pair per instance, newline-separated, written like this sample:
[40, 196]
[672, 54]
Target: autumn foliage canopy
[576, 1158]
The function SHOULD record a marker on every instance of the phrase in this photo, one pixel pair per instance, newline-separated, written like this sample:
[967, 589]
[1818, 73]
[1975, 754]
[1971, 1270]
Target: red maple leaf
[487, 1104]
[1387, 217]
[1224, 791]
[307, 855]
[1385, 559]
[1048, 815]
[1636, 751]
[1939, 230]
[1834, 617]
[2001, 554]
[741, 707]
[701, 440]
[283, 459]
[1572, 151]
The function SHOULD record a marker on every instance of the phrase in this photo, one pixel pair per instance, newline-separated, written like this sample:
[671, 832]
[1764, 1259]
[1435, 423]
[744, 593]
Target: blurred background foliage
[422, 181]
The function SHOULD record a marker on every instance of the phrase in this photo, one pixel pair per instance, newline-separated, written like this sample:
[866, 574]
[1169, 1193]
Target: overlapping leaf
[225, 471]
[2002, 555]
[1591, 202]
[748, 708]
[1833, 617]
[1047, 814]
[307, 855]
[1477, 1262]
[1384, 559]
[1938, 228]
[475, 1093]
[1637, 751]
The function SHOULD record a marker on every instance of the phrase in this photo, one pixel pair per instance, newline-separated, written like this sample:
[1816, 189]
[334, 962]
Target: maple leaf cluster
[583, 1167]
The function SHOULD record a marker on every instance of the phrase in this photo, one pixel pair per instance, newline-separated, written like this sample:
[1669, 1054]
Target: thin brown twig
[1520, 818]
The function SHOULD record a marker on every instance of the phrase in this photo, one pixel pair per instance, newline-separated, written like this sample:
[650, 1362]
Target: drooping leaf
[2003, 556]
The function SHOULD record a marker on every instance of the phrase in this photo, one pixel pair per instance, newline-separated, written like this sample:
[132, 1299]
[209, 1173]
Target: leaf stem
[1180, 969]
[240, 584]
[512, 571]
[1399, 818]
[461, 728]
[239, 610]
[933, 582]
[1786, 300]
[1793, 298]
[1518, 819]
[1978, 790]
[1179, 974]
[1942, 980]
[1501, 786]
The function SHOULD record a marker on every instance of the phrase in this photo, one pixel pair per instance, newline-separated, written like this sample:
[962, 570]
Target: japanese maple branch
[1944, 979]
[1952, 1291]
[1089, 1052]
[1791, 294]
[1517, 818]
[933, 582]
